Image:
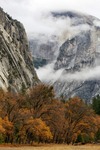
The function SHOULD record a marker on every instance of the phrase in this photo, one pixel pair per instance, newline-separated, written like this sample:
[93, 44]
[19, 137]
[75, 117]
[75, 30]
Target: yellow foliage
[36, 128]
[2, 130]
[8, 126]
[39, 128]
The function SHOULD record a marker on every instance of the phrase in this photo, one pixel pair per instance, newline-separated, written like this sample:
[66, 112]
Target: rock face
[16, 66]
[43, 49]
[80, 52]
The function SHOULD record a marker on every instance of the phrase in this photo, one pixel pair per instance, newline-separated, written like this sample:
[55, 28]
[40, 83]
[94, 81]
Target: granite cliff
[16, 65]
[75, 68]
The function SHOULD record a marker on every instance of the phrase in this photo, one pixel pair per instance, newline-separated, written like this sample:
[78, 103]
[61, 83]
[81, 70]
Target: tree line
[37, 116]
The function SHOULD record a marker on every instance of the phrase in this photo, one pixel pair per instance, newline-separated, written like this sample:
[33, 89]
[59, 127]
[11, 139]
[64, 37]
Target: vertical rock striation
[16, 65]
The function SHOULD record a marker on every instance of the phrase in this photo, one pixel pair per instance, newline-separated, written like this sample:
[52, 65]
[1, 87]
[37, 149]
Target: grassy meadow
[53, 147]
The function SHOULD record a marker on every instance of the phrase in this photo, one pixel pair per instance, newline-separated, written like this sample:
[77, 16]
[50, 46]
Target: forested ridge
[37, 116]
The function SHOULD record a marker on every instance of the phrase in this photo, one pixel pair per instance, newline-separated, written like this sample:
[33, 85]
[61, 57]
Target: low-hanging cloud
[62, 27]
[48, 74]
[97, 23]
[71, 31]
[84, 74]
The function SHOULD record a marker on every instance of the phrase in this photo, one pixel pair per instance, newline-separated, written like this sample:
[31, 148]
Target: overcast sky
[29, 11]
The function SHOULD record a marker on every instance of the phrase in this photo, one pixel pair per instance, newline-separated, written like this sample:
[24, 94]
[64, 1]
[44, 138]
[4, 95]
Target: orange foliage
[80, 120]
[2, 130]
[38, 116]
[36, 129]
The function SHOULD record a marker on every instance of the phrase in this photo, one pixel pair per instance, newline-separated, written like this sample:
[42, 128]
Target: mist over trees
[37, 116]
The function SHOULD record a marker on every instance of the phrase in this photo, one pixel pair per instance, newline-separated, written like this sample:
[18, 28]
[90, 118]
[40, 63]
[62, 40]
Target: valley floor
[52, 147]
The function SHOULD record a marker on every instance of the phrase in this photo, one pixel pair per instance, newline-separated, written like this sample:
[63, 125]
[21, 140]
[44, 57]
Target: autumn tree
[2, 131]
[42, 93]
[10, 105]
[38, 116]
[80, 120]
[44, 105]
[6, 129]
[35, 130]
[39, 98]
[55, 119]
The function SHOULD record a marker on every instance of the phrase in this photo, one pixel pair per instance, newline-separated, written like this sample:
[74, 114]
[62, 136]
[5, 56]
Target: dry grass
[54, 147]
